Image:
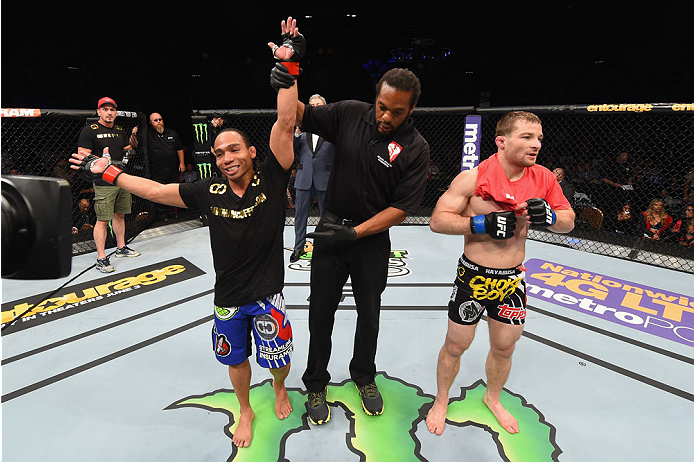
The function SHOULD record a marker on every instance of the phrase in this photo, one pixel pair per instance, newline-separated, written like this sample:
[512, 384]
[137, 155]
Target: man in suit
[313, 170]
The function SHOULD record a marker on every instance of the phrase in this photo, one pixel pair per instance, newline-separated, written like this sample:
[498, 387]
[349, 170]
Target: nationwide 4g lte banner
[649, 309]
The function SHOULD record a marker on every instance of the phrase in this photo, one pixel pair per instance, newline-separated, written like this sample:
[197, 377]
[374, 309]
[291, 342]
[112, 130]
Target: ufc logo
[501, 226]
[548, 214]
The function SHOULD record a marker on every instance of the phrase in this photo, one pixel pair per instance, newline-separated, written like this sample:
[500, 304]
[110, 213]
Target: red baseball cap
[106, 100]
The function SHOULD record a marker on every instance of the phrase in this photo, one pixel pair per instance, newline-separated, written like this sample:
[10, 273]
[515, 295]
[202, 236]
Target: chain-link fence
[587, 142]
[627, 171]
[40, 142]
[614, 159]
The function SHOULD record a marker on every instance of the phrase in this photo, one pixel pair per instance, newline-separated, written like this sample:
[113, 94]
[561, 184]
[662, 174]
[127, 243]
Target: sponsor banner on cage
[37, 309]
[20, 112]
[472, 139]
[659, 312]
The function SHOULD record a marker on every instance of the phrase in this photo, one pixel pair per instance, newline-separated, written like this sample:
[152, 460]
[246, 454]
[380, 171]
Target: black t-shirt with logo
[163, 152]
[371, 172]
[246, 233]
[96, 137]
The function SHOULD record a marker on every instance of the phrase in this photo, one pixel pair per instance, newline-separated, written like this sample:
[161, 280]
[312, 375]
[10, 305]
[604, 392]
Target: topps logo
[13, 112]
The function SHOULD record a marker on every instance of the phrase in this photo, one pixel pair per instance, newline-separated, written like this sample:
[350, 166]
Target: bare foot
[436, 417]
[505, 419]
[283, 407]
[243, 434]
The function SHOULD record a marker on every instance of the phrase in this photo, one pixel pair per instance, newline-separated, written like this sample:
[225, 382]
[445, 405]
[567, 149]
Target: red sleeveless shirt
[537, 181]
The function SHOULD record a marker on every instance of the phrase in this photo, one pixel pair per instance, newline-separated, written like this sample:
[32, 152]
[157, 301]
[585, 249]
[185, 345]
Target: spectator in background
[618, 173]
[83, 218]
[670, 195]
[656, 178]
[643, 190]
[626, 221]
[166, 158]
[190, 175]
[617, 178]
[655, 220]
[587, 173]
[315, 156]
[682, 231]
[688, 190]
[567, 187]
[586, 181]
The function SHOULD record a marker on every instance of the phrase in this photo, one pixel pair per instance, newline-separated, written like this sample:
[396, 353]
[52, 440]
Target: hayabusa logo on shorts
[469, 310]
[511, 312]
[266, 326]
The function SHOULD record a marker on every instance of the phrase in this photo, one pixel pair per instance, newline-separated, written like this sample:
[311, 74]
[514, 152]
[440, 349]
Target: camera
[36, 227]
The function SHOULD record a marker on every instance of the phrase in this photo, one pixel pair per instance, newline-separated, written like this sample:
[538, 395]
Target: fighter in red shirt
[493, 206]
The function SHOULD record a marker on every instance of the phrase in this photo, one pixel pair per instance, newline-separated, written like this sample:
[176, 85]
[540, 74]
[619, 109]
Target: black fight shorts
[499, 291]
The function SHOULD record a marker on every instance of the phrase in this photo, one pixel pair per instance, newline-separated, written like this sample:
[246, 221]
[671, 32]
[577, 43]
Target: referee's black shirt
[371, 172]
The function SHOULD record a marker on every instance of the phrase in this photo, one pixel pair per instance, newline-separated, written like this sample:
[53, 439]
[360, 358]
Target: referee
[377, 178]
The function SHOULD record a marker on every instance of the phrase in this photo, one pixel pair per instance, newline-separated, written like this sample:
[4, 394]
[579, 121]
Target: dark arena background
[614, 91]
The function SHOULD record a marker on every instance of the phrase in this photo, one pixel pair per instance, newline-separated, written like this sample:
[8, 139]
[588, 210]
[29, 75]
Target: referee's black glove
[335, 232]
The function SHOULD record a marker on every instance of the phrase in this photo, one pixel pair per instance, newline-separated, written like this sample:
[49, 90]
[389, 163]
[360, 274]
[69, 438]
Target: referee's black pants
[366, 262]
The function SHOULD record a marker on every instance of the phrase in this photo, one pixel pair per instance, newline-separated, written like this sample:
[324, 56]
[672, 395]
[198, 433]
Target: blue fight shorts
[267, 319]
[501, 292]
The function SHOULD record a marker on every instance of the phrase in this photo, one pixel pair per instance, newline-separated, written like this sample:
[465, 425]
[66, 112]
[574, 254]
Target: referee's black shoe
[296, 255]
[317, 407]
[371, 399]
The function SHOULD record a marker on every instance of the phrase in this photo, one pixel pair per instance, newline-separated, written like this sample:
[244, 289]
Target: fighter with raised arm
[493, 206]
[246, 209]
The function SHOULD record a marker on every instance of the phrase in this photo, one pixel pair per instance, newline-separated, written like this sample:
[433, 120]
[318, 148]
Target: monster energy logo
[205, 170]
[201, 134]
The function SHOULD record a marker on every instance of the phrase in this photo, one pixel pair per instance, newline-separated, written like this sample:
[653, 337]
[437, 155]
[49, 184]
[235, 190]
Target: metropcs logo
[648, 309]
[471, 142]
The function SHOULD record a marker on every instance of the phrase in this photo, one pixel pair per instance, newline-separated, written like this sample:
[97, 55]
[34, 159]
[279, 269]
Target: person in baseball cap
[106, 100]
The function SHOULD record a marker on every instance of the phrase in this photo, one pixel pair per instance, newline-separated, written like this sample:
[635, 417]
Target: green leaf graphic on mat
[534, 442]
[266, 444]
[385, 437]
[390, 436]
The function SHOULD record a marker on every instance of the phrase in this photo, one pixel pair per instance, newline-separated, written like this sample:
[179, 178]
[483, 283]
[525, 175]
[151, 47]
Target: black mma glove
[296, 43]
[499, 225]
[108, 174]
[335, 232]
[284, 72]
[540, 213]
